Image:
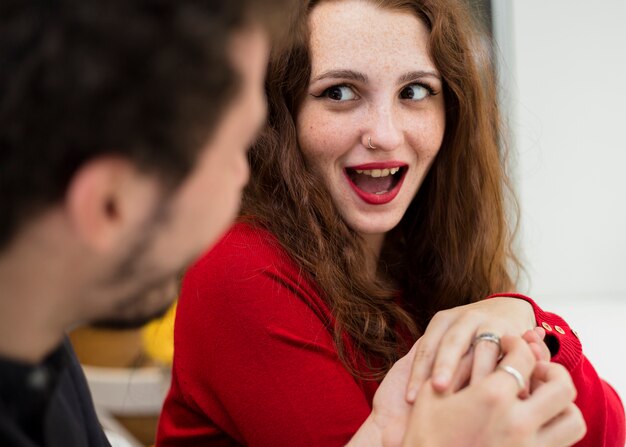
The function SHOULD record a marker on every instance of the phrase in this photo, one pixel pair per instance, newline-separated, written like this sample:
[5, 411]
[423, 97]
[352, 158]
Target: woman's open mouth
[376, 183]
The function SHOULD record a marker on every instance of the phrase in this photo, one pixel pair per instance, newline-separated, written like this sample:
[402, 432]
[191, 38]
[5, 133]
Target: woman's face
[371, 77]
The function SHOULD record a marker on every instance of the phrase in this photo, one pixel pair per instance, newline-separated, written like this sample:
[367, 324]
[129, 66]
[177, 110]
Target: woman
[377, 200]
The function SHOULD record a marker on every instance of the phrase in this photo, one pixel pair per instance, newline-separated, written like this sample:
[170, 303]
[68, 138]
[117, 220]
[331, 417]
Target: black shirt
[47, 404]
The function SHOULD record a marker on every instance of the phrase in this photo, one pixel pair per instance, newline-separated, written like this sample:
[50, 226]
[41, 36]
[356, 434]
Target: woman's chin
[369, 226]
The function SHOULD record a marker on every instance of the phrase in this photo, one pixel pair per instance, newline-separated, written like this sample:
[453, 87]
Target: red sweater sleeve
[599, 403]
[254, 361]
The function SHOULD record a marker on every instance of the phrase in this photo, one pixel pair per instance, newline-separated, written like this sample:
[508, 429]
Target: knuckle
[578, 426]
[574, 393]
[473, 313]
[558, 368]
[571, 388]
[440, 317]
[424, 357]
[452, 338]
[581, 425]
[514, 343]
[567, 392]
[519, 428]
[493, 395]
[565, 383]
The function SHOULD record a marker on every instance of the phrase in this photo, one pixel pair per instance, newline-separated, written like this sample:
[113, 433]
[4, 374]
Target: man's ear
[107, 200]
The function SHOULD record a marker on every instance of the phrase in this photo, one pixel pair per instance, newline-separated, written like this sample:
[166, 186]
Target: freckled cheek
[427, 138]
[321, 144]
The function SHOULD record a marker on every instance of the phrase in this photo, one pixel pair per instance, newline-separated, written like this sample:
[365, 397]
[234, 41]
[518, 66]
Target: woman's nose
[384, 131]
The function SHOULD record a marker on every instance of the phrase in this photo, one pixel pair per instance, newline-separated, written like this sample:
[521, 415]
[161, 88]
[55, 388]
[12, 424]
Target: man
[124, 127]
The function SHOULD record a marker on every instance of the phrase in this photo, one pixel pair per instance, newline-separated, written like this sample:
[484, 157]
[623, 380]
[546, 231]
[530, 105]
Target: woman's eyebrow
[414, 75]
[342, 74]
[357, 76]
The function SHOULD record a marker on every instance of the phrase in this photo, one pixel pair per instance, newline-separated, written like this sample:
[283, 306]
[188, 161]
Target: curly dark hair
[144, 79]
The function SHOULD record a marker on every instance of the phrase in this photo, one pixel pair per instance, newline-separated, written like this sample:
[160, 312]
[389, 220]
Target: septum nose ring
[369, 143]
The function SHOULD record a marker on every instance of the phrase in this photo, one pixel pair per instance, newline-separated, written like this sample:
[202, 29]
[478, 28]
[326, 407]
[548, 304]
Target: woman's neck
[373, 247]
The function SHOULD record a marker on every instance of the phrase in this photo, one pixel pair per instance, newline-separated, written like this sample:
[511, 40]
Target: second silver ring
[521, 383]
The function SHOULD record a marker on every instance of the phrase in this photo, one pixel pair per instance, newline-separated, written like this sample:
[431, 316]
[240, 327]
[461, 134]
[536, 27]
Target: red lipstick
[378, 197]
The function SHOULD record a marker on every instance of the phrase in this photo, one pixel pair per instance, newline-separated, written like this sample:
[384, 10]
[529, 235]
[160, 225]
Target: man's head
[123, 132]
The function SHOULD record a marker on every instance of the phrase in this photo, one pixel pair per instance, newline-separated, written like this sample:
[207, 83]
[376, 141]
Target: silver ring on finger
[490, 337]
[519, 379]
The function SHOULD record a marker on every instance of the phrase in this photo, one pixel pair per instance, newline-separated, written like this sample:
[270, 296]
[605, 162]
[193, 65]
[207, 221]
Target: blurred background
[562, 68]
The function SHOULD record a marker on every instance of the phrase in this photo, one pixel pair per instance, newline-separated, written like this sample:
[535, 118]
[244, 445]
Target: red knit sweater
[255, 364]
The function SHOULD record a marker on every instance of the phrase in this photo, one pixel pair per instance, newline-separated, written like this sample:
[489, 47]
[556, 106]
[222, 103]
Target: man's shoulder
[69, 418]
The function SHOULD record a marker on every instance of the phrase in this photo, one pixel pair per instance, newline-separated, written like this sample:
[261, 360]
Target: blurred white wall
[564, 84]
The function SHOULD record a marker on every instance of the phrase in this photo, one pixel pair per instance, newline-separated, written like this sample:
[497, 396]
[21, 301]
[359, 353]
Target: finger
[463, 373]
[517, 354]
[566, 429]
[486, 354]
[534, 339]
[410, 356]
[554, 395]
[539, 348]
[541, 351]
[553, 372]
[541, 332]
[531, 336]
[538, 376]
[454, 344]
[425, 350]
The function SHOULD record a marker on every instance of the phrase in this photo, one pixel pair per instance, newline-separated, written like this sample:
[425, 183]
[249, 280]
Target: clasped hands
[457, 388]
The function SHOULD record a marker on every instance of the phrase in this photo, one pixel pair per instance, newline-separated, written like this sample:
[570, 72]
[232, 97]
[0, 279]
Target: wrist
[525, 306]
[369, 434]
[529, 311]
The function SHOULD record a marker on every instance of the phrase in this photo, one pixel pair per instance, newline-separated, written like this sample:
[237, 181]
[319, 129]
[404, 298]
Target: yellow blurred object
[158, 338]
[107, 347]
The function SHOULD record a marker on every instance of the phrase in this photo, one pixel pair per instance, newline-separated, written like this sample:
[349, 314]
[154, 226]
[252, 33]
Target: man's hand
[390, 414]
[484, 414]
[489, 413]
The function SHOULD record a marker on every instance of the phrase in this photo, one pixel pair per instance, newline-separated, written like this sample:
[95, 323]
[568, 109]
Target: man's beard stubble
[154, 291]
[137, 310]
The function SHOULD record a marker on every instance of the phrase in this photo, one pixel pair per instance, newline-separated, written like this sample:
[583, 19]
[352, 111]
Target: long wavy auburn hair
[454, 243]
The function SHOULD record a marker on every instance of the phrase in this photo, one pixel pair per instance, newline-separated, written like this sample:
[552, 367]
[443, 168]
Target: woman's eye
[339, 93]
[416, 92]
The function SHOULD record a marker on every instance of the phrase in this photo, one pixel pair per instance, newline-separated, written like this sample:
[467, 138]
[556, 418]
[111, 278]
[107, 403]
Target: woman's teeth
[377, 172]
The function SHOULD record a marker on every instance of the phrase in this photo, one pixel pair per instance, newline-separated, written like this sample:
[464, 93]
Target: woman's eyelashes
[341, 92]
[344, 92]
[417, 92]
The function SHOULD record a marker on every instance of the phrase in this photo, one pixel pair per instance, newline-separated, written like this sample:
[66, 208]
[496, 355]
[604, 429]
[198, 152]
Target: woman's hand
[450, 334]
[534, 338]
